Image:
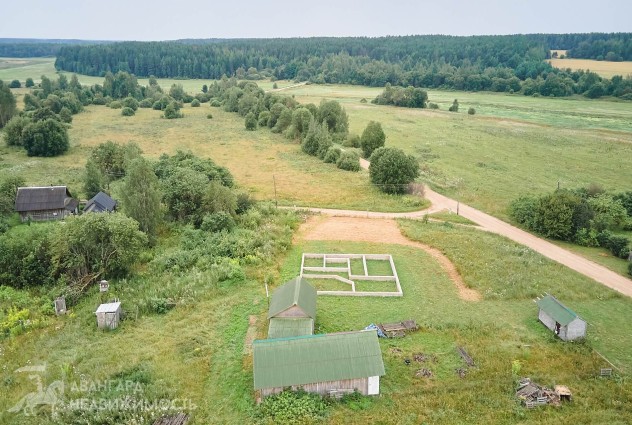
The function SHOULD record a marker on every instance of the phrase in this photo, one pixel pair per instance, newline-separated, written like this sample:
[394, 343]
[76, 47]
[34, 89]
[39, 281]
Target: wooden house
[101, 202]
[326, 364]
[108, 315]
[560, 319]
[292, 309]
[45, 203]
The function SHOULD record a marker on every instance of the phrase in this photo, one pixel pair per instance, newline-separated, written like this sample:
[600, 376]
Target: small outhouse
[108, 315]
[560, 319]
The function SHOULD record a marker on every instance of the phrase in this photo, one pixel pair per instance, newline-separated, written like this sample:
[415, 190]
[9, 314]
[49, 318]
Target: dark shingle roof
[42, 198]
[101, 202]
[316, 358]
[555, 309]
[296, 292]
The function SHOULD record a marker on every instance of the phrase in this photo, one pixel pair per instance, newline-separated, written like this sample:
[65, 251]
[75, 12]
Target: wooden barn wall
[323, 388]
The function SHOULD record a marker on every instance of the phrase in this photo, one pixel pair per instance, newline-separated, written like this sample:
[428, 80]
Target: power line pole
[276, 201]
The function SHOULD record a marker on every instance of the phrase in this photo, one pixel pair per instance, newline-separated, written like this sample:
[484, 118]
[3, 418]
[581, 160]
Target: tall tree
[7, 104]
[45, 138]
[140, 195]
[372, 138]
[94, 181]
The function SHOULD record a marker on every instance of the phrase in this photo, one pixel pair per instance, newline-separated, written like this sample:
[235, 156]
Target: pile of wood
[179, 419]
[533, 394]
[398, 329]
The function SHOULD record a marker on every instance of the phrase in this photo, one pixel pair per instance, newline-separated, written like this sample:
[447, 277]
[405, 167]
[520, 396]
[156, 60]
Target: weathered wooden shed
[108, 315]
[292, 309]
[45, 203]
[560, 319]
[101, 202]
[326, 364]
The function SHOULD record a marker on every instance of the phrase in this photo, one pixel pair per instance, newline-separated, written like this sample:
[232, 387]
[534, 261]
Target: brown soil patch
[324, 228]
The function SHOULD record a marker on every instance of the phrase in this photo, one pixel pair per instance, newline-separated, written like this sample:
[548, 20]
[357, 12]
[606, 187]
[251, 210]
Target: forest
[494, 63]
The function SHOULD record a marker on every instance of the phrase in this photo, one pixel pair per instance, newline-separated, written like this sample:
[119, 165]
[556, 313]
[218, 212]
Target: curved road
[491, 224]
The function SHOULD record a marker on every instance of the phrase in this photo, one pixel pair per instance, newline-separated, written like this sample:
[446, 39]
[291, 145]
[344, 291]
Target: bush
[15, 84]
[617, 245]
[349, 161]
[99, 100]
[65, 115]
[352, 141]
[115, 104]
[145, 103]
[630, 269]
[454, 107]
[45, 138]
[250, 122]
[433, 106]
[29, 82]
[13, 130]
[195, 103]
[332, 155]
[363, 100]
[392, 170]
[216, 222]
[209, 116]
[127, 112]
[215, 103]
[172, 111]
[373, 137]
[290, 407]
[524, 210]
[244, 203]
[263, 118]
[471, 111]
[130, 102]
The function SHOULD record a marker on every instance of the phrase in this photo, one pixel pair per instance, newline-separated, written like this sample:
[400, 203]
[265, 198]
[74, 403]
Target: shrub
[392, 170]
[617, 245]
[215, 103]
[363, 100]
[373, 137]
[45, 138]
[349, 161]
[454, 107]
[471, 111]
[115, 104]
[130, 102]
[216, 222]
[290, 407]
[332, 155]
[15, 84]
[195, 103]
[263, 118]
[65, 115]
[433, 106]
[127, 112]
[172, 111]
[250, 122]
[29, 82]
[524, 210]
[13, 130]
[244, 202]
[352, 141]
[145, 103]
[209, 116]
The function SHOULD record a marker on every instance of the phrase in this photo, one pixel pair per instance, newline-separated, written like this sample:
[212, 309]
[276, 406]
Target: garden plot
[365, 275]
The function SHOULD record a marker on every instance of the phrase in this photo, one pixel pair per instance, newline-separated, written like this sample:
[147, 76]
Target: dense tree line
[495, 63]
[33, 48]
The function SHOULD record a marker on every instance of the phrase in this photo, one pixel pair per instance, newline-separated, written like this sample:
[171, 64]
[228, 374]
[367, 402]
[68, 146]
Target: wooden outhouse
[108, 315]
[326, 364]
[560, 319]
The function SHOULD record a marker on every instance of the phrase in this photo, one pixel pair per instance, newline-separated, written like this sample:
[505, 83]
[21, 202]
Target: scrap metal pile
[533, 394]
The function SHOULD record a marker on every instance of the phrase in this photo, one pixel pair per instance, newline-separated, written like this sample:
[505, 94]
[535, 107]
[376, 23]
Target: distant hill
[36, 47]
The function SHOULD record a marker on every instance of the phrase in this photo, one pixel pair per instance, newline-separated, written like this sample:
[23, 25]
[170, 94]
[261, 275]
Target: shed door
[110, 319]
[374, 385]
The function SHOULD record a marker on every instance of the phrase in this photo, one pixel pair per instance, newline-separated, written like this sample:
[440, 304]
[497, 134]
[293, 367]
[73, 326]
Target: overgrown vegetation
[586, 216]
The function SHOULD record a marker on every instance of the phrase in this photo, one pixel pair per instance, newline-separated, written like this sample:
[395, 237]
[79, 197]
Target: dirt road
[491, 224]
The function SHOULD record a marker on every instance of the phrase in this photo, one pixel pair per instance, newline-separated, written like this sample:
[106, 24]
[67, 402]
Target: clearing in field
[365, 275]
[604, 68]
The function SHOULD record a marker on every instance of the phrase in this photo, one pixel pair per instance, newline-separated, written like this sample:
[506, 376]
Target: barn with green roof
[292, 309]
[560, 319]
[326, 364]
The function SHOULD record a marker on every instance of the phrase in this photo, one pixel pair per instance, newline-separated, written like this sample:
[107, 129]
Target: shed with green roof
[296, 298]
[327, 364]
[284, 327]
[560, 319]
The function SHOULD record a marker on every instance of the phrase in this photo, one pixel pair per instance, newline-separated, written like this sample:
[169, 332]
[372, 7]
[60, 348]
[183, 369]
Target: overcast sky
[173, 19]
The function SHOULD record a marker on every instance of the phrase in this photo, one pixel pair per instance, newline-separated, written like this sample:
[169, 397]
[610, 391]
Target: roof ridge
[297, 289]
[564, 306]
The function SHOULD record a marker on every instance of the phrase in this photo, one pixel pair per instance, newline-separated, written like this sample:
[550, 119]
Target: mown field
[604, 68]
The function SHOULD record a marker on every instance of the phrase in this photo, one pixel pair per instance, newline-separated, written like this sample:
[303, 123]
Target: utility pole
[276, 202]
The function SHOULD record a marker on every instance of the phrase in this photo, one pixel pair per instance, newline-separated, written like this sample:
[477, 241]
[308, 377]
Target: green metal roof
[316, 358]
[283, 327]
[558, 311]
[295, 292]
